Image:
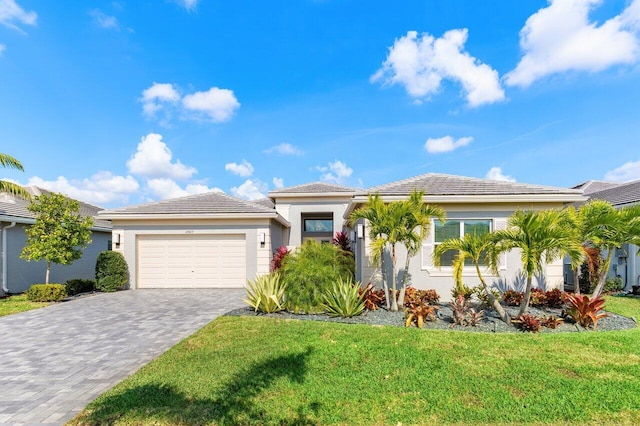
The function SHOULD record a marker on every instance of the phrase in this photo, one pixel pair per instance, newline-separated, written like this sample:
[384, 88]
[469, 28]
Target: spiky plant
[266, 293]
[344, 299]
[585, 311]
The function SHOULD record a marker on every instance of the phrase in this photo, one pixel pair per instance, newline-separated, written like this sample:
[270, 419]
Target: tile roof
[265, 202]
[625, 193]
[442, 184]
[313, 188]
[207, 203]
[16, 207]
[595, 186]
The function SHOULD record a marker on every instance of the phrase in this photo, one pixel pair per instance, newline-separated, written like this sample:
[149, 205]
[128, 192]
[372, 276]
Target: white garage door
[191, 261]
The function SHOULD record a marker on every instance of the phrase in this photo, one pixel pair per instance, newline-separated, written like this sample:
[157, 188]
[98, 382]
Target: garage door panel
[191, 261]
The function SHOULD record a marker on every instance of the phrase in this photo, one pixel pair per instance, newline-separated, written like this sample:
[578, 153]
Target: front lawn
[246, 370]
[18, 303]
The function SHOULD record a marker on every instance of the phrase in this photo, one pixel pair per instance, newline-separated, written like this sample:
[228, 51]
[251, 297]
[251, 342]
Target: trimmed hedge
[47, 292]
[77, 286]
[112, 273]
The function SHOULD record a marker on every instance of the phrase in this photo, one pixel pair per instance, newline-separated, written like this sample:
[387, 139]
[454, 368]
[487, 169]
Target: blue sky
[122, 102]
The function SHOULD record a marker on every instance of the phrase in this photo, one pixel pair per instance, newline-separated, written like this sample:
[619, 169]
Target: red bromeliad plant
[420, 313]
[373, 298]
[584, 311]
[551, 322]
[538, 297]
[413, 296]
[278, 258]
[555, 298]
[527, 322]
[512, 297]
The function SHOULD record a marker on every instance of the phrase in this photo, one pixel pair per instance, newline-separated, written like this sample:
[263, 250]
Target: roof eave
[182, 216]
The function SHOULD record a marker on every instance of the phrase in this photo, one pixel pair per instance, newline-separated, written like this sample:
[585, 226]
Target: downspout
[5, 288]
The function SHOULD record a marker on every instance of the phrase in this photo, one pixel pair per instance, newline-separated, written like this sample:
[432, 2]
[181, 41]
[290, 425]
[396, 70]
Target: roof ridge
[618, 186]
[317, 182]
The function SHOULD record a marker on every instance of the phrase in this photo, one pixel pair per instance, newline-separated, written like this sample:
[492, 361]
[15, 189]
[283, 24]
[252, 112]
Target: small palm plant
[266, 293]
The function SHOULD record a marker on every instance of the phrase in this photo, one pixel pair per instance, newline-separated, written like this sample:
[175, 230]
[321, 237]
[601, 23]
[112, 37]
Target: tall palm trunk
[385, 283]
[604, 271]
[394, 283]
[576, 281]
[46, 277]
[524, 306]
[403, 285]
[504, 316]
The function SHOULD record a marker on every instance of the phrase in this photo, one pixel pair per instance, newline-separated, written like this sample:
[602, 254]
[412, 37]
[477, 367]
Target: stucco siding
[293, 213]
[22, 274]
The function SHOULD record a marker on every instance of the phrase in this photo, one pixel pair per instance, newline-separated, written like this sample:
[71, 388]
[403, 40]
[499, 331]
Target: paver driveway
[55, 360]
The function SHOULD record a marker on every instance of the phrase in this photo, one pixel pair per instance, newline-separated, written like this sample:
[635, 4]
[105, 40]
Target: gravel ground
[491, 322]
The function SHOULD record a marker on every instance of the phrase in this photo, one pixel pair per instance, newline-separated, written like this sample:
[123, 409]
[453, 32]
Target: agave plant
[344, 299]
[584, 311]
[266, 293]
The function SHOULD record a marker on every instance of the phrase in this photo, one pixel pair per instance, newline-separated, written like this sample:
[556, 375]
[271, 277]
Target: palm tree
[481, 250]
[9, 162]
[609, 228]
[543, 237]
[374, 213]
[417, 227]
[393, 224]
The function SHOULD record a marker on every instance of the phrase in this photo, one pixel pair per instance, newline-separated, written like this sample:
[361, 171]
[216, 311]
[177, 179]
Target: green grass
[253, 370]
[18, 303]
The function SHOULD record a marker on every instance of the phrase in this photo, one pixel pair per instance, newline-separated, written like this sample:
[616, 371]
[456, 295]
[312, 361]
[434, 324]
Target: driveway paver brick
[55, 360]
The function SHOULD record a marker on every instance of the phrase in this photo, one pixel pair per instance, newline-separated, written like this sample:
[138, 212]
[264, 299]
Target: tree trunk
[46, 277]
[604, 271]
[394, 284]
[524, 306]
[504, 316]
[576, 281]
[385, 284]
[403, 287]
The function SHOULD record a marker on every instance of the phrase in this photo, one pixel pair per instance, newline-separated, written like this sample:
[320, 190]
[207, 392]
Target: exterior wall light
[360, 231]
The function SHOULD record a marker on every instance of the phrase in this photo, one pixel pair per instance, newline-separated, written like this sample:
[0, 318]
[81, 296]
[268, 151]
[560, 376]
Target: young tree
[609, 228]
[59, 233]
[9, 162]
[400, 222]
[479, 249]
[543, 237]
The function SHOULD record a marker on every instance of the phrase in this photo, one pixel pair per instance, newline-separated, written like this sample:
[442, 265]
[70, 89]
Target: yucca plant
[344, 299]
[585, 311]
[266, 293]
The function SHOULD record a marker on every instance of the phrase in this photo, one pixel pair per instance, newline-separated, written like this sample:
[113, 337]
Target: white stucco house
[18, 275]
[215, 240]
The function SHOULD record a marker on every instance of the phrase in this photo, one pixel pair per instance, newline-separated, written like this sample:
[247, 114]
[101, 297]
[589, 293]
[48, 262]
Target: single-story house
[18, 274]
[626, 262]
[215, 240]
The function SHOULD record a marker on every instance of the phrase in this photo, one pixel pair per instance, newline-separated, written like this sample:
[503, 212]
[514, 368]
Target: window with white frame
[457, 228]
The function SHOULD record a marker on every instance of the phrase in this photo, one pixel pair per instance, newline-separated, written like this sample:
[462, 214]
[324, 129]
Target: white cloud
[628, 171]
[560, 37]
[278, 183]
[445, 144]
[495, 173]
[284, 149]
[188, 4]
[154, 97]
[217, 104]
[11, 15]
[103, 20]
[245, 169]
[251, 189]
[336, 172]
[2, 49]
[101, 188]
[153, 160]
[164, 188]
[421, 63]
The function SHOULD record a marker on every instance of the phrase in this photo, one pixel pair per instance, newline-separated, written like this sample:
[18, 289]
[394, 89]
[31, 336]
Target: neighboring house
[215, 240]
[625, 262]
[18, 274]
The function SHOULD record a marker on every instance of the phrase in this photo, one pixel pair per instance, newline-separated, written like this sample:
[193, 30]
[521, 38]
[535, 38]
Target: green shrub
[112, 273]
[77, 286]
[47, 292]
[266, 293]
[482, 296]
[344, 299]
[462, 290]
[612, 285]
[309, 273]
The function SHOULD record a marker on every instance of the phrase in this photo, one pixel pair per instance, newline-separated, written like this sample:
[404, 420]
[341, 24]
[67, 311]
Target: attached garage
[208, 240]
[191, 261]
